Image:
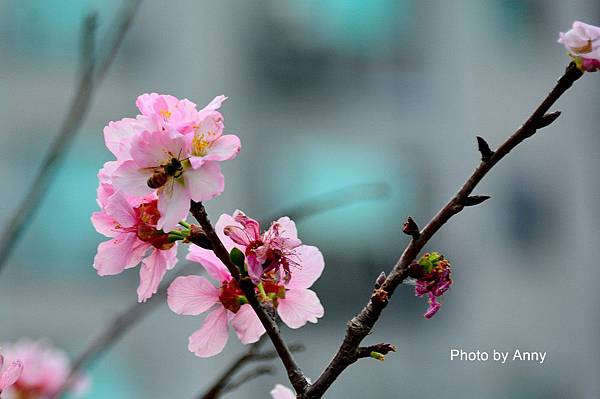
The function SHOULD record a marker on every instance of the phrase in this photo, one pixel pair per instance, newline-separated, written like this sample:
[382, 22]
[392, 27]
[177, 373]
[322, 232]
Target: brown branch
[361, 325]
[294, 372]
[92, 73]
[219, 387]
[382, 348]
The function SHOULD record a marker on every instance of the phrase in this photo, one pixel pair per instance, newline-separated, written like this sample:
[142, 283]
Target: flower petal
[191, 295]
[120, 209]
[224, 148]
[211, 338]
[205, 183]
[153, 270]
[12, 373]
[122, 252]
[224, 221]
[215, 103]
[282, 392]
[311, 264]
[247, 325]
[173, 205]
[213, 265]
[129, 178]
[104, 224]
[299, 307]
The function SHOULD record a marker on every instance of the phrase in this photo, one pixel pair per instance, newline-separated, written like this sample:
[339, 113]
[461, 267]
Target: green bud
[377, 356]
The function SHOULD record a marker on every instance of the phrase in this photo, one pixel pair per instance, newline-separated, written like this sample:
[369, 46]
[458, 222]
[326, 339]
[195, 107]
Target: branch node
[475, 200]
[380, 296]
[380, 280]
[547, 119]
[410, 228]
[484, 149]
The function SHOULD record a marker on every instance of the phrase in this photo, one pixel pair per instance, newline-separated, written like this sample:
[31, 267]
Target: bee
[161, 175]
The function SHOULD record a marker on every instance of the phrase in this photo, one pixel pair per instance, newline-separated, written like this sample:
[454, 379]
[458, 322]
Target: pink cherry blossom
[10, 374]
[583, 43]
[194, 295]
[277, 249]
[130, 222]
[172, 149]
[282, 392]
[44, 370]
[295, 303]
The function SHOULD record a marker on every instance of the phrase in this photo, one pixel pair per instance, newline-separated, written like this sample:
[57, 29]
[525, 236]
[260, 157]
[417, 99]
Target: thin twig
[250, 355]
[297, 378]
[92, 74]
[361, 325]
[248, 376]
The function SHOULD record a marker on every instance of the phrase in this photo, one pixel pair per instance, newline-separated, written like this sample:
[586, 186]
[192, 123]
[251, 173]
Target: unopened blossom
[131, 224]
[277, 250]
[45, 370]
[9, 374]
[172, 150]
[434, 280]
[583, 44]
[282, 392]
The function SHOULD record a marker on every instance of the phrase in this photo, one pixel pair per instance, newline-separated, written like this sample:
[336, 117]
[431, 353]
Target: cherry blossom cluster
[583, 44]
[38, 370]
[166, 157]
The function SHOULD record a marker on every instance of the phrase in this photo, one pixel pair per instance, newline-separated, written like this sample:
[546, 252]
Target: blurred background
[326, 94]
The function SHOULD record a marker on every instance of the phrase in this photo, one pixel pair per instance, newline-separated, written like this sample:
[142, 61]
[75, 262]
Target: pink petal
[211, 338]
[205, 183]
[119, 208]
[122, 252]
[281, 392]
[214, 267]
[129, 178]
[153, 270]
[151, 149]
[299, 307]
[215, 103]
[118, 136]
[224, 221]
[173, 205]
[247, 325]
[145, 103]
[104, 224]
[12, 373]
[311, 264]
[191, 295]
[224, 148]
[251, 226]
[287, 228]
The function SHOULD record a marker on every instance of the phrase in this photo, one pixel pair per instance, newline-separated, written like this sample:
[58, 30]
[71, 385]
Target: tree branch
[361, 325]
[92, 73]
[294, 372]
[222, 384]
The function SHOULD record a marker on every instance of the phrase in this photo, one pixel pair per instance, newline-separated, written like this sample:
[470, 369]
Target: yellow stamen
[584, 49]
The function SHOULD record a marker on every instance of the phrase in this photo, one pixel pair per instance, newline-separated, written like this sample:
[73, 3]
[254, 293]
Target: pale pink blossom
[9, 374]
[278, 249]
[583, 43]
[130, 222]
[45, 370]
[282, 392]
[225, 302]
[172, 149]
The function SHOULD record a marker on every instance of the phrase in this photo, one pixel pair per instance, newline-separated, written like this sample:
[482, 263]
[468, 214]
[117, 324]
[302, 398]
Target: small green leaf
[237, 257]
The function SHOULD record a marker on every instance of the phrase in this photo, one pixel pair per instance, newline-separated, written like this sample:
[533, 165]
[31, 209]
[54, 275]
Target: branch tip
[547, 119]
[484, 149]
[410, 228]
[475, 200]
